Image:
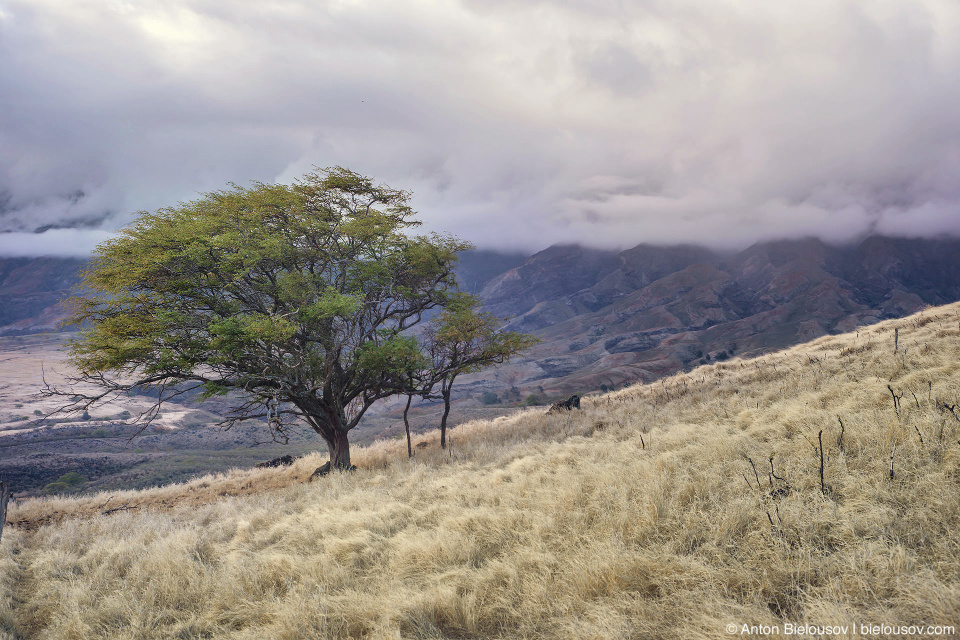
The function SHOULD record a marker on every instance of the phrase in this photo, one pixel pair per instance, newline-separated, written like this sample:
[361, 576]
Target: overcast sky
[515, 124]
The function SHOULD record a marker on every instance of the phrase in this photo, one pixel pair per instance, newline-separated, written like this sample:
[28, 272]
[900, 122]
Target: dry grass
[638, 517]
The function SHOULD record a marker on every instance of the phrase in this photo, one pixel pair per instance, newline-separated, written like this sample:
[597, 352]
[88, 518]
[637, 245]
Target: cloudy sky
[515, 124]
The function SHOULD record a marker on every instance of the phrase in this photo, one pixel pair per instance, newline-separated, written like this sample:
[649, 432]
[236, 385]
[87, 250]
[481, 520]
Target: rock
[573, 402]
[282, 461]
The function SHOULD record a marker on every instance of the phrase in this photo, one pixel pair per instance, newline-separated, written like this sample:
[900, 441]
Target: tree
[489, 397]
[295, 297]
[462, 339]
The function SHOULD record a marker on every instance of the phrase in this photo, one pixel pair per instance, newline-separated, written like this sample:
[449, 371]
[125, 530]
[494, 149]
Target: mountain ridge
[635, 315]
[614, 317]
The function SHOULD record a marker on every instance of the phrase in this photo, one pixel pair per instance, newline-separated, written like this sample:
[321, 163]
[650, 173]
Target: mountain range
[611, 318]
[32, 291]
[614, 317]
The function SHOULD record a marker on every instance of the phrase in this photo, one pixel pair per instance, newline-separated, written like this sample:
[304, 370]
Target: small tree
[489, 397]
[296, 297]
[462, 339]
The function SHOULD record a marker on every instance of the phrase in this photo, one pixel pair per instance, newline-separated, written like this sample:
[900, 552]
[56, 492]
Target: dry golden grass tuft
[640, 516]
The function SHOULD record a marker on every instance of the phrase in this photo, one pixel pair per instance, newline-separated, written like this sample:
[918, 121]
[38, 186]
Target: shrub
[72, 479]
[65, 483]
[489, 397]
[55, 487]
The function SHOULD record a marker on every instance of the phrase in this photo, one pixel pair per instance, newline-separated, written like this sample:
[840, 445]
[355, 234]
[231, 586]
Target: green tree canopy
[462, 339]
[296, 296]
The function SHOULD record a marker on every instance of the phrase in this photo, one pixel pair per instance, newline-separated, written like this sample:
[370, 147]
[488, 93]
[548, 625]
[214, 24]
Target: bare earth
[36, 451]
[111, 452]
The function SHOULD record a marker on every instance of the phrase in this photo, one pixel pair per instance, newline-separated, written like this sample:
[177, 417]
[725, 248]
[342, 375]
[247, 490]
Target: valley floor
[695, 507]
[38, 446]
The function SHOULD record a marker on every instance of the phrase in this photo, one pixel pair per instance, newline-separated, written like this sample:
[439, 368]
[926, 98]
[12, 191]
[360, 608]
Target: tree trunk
[4, 498]
[443, 418]
[406, 425]
[339, 447]
[329, 423]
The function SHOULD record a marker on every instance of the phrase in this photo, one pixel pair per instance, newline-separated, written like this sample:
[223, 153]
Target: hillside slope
[670, 510]
[32, 291]
[614, 319]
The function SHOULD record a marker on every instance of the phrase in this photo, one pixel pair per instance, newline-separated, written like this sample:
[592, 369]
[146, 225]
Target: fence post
[4, 498]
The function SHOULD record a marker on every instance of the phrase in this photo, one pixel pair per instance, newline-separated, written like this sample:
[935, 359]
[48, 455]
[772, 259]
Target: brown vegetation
[668, 510]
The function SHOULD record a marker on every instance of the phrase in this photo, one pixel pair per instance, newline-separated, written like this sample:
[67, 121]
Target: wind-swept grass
[640, 516]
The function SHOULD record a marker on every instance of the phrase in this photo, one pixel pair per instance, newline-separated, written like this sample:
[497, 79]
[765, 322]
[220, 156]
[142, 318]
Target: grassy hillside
[640, 516]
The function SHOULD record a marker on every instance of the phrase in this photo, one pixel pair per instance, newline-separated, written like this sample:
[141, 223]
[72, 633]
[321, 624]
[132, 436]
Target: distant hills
[32, 291]
[610, 318]
[607, 319]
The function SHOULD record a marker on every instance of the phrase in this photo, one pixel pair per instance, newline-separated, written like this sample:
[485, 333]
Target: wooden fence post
[4, 498]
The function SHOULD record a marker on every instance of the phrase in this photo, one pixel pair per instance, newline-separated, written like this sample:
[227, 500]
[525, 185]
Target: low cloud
[516, 125]
[67, 243]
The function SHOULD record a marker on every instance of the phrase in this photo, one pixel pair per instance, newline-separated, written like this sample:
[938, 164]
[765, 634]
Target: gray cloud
[75, 243]
[516, 124]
